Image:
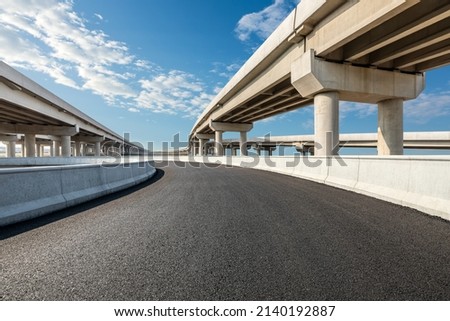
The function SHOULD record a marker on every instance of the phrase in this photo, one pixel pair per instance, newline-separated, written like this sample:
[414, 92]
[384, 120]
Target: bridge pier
[390, 127]
[11, 151]
[201, 146]
[326, 123]
[56, 148]
[243, 143]
[78, 149]
[203, 141]
[327, 82]
[219, 128]
[98, 149]
[218, 149]
[30, 145]
[38, 150]
[65, 146]
[10, 141]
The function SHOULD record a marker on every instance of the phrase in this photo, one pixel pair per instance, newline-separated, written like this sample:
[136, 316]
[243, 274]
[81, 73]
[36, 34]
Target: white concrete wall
[28, 192]
[420, 182]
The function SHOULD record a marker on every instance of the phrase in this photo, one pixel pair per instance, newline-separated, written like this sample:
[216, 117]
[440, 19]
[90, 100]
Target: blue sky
[149, 68]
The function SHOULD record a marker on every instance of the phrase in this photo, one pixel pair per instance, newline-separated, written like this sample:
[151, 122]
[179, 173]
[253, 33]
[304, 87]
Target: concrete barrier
[420, 182]
[28, 192]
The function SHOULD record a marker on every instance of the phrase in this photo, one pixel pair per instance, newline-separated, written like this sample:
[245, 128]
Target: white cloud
[173, 93]
[359, 109]
[224, 70]
[264, 22]
[51, 38]
[423, 109]
[134, 110]
[428, 106]
[48, 36]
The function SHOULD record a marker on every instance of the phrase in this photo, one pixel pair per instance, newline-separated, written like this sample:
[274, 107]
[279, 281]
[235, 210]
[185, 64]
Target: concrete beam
[230, 127]
[338, 29]
[311, 76]
[39, 129]
[49, 137]
[205, 136]
[9, 138]
[88, 139]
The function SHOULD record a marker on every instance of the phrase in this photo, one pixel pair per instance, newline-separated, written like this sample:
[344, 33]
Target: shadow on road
[22, 227]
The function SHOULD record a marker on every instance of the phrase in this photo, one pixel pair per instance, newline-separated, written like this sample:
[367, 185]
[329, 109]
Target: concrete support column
[243, 143]
[78, 149]
[65, 146]
[11, 151]
[56, 148]
[22, 146]
[195, 149]
[97, 149]
[218, 143]
[202, 143]
[234, 151]
[390, 127]
[30, 145]
[38, 150]
[326, 123]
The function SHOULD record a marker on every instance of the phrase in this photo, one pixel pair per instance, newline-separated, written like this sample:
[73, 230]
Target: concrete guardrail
[38, 186]
[419, 182]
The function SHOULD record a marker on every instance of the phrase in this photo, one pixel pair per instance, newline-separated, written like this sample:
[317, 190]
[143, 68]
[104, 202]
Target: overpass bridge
[305, 143]
[330, 50]
[32, 116]
[234, 233]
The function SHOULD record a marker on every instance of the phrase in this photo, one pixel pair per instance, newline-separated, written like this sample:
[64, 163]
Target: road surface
[228, 234]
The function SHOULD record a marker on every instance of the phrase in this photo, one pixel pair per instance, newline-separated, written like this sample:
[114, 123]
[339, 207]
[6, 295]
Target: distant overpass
[331, 50]
[34, 117]
[305, 143]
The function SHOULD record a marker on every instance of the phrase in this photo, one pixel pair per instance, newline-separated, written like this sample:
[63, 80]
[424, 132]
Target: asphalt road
[228, 234]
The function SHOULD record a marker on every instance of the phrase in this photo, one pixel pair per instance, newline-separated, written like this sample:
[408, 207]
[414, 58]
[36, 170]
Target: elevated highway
[305, 143]
[330, 50]
[160, 242]
[32, 116]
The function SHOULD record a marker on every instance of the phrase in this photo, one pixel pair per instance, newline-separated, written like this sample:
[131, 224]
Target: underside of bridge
[363, 51]
[33, 117]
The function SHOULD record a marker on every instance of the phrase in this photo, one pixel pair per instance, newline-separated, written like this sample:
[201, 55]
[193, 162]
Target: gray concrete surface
[228, 234]
[29, 192]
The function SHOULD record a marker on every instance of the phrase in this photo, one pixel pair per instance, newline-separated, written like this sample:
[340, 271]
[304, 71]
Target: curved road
[228, 234]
